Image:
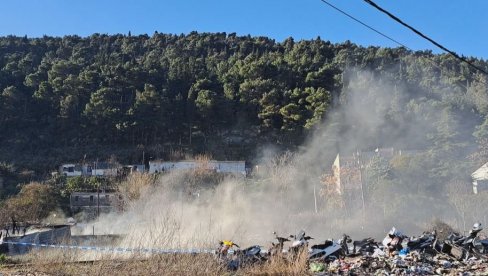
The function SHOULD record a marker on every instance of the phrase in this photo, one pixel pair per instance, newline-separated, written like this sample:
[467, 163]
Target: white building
[480, 179]
[103, 169]
[231, 167]
[71, 170]
[89, 169]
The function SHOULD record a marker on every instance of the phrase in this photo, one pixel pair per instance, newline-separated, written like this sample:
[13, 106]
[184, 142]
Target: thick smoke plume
[286, 192]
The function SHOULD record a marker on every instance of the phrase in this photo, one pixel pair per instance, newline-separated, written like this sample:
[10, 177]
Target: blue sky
[459, 25]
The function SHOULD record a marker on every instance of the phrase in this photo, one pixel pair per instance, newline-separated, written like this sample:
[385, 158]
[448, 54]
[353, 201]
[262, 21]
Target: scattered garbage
[404, 252]
[397, 254]
[317, 267]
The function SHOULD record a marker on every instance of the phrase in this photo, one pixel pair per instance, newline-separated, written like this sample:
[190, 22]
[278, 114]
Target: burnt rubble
[397, 254]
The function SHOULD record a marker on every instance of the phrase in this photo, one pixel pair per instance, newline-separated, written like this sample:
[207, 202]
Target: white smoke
[284, 195]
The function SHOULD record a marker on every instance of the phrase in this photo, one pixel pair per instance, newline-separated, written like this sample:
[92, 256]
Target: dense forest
[69, 98]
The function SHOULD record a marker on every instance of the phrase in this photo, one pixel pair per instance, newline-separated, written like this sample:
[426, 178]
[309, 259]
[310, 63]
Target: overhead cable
[364, 24]
[454, 54]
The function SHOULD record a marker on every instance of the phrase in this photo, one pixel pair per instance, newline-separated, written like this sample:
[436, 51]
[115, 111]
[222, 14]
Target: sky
[459, 25]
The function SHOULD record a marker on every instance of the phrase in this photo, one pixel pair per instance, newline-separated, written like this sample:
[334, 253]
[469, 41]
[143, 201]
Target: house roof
[481, 173]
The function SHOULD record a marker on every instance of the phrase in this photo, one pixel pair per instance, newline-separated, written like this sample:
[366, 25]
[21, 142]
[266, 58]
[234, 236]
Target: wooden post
[315, 199]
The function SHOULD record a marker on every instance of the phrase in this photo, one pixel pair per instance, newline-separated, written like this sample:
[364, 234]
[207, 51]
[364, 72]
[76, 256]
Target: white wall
[220, 166]
[104, 172]
[63, 169]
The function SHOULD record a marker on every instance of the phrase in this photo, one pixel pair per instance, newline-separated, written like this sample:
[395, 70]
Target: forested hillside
[69, 98]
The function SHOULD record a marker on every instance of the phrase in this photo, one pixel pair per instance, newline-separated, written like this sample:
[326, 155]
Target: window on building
[76, 198]
[107, 197]
[91, 198]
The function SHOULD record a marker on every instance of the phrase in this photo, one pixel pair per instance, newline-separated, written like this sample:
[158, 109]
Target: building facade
[95, 203]
[227, 167]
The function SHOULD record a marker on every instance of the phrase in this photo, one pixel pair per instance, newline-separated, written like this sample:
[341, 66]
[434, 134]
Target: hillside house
[98, 169]
[92, 202]
[346, 169]
[103, 169]
[230, 167]
[71, 170]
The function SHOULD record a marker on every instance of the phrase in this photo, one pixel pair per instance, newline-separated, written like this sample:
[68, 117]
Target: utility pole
[360, 164]
[98, 200]
[315, 198]
[98, 190]
[190, 133]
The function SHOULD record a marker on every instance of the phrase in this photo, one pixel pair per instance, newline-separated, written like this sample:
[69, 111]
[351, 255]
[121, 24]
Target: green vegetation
[34, 202]
[80, 183]
[4, 259]
[62, 98]
[73, 96]
[70, 98]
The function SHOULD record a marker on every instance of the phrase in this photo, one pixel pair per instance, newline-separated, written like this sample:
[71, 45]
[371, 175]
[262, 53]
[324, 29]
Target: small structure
[130, 169]
[346, 173]
[71, 170]
[346, 169]
[226, 167]
[93, 169]
[103, 169]
[94, 203]
[62, 234]
[38, 234]
[480, 179]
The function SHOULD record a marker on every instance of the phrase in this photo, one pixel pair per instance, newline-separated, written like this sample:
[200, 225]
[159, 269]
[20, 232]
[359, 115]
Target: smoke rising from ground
[286, 192]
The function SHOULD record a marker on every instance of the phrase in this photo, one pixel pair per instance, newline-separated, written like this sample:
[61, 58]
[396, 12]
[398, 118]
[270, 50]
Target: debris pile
[411, 264]
[397, 254]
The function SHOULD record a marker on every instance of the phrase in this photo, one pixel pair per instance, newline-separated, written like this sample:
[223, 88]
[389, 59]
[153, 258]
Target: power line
[364, 24]
[434, 63]
[423, 35]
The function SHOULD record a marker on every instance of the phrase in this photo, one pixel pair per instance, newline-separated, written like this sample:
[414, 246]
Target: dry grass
[47, 262]
[280, 265]
[135, 185]
[80, 262]
[175, 155]
[135, 265]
